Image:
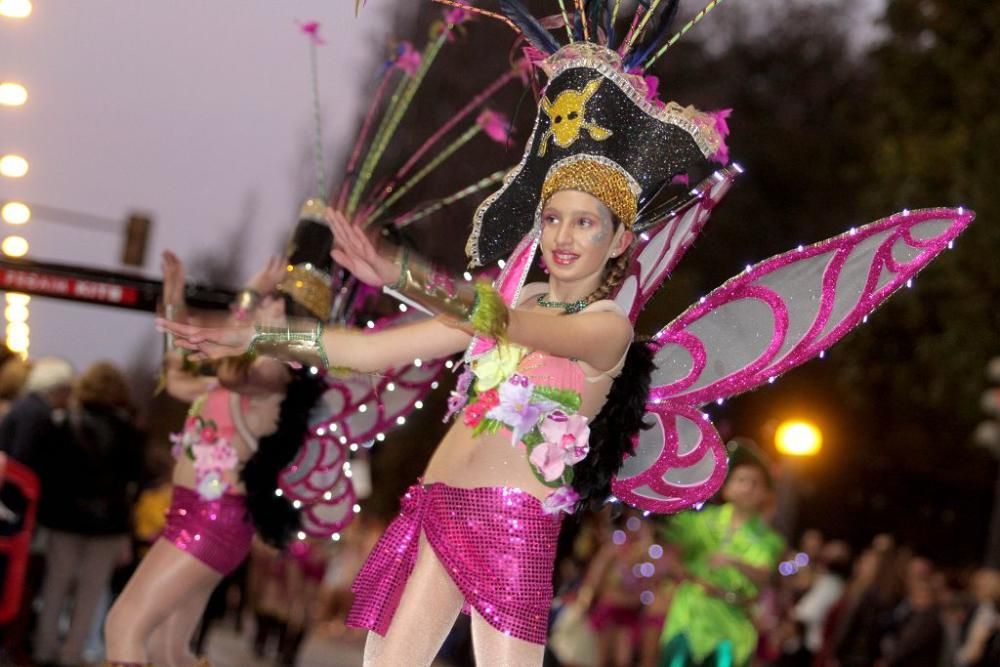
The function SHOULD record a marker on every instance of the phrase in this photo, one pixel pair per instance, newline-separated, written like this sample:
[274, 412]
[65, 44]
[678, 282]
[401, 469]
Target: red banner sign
[42, 284]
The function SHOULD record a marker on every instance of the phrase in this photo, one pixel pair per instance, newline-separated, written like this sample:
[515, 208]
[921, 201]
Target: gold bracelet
[289, 344]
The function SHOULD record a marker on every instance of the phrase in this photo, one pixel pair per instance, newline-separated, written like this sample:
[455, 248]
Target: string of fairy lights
[13, 96]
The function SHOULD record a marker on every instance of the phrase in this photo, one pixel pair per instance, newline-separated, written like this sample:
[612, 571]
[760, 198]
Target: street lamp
[795, 439]
[798, 438]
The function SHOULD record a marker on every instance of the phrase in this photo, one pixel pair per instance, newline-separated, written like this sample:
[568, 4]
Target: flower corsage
[212, 455]
[542, 419]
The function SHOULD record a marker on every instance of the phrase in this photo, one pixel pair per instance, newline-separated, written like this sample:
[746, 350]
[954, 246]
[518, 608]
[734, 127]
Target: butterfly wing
[356, 409]
[679, 461]
[788, 309]
[666, 237]
[769, 319]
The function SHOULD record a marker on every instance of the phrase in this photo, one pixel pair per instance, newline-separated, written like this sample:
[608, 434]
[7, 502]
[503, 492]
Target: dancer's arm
[185, 385]
[179, 382]
[598, 338]
[253, 377]
[344, 347]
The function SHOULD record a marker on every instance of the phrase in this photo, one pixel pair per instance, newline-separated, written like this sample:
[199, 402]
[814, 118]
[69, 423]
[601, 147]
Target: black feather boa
[273, 516]
[612, 430]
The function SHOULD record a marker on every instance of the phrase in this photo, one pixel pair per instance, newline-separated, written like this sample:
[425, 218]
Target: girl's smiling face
[579, 236]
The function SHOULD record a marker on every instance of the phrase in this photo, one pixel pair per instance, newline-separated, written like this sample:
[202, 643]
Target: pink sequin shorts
[496, 542]
[216, 532]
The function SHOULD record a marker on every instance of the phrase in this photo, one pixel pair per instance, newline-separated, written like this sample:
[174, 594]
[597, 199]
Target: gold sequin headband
[599, 177]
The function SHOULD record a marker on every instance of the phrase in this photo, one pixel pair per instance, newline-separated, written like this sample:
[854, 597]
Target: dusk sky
[199, 113]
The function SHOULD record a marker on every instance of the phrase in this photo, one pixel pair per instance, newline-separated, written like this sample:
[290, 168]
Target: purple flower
[563, 499]
[516, 408]
[460, 395]
[464, 381]
[407, 58]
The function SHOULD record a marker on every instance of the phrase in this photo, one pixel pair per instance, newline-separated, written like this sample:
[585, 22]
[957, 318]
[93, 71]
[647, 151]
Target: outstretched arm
[344, 347]
[598, 338]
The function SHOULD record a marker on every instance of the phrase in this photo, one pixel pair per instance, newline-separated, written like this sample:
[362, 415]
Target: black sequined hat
[599, 131]
[309, 263]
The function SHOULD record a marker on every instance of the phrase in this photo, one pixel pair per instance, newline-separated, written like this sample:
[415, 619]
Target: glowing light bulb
[13, 166]
[16, 313]
[14, 246]
[15, 213]
[15, 9]
[18, 299]
[12, 94]
[798, 438]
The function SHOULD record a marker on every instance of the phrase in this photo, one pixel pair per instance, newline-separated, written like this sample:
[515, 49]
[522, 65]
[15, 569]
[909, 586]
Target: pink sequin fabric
[496, 543]
[216, 532]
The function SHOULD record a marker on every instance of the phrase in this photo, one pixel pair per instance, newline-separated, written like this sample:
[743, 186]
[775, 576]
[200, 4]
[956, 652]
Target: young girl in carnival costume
[245, 425]
[725, 555]
[555, 391]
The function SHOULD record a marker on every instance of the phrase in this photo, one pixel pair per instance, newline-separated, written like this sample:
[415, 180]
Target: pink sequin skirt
[496, 543]
[216, 532]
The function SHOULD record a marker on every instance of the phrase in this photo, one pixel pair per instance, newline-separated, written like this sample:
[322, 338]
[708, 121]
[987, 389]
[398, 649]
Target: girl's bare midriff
[467, 461]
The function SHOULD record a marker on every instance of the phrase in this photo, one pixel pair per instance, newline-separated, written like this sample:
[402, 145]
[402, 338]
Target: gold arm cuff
[433, 288]
[290, 343]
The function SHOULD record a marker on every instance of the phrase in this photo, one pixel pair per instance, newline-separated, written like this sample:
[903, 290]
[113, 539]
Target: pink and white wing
[679, 461]
[769, 319]
[356, 409]
[657, 251]
[364, 407]
[318, 482]
[786, 310]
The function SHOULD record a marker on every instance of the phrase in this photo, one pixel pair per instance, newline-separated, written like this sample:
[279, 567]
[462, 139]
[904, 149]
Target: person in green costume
[726, 555]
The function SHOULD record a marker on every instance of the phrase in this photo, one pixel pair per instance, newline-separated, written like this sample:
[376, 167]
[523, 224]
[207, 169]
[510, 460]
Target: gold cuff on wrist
[286, 343]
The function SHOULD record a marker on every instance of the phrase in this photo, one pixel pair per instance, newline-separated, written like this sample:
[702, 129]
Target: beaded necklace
[569, 308]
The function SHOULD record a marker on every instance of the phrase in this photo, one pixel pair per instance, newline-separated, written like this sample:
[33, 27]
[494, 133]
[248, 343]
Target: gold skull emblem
[568, 117]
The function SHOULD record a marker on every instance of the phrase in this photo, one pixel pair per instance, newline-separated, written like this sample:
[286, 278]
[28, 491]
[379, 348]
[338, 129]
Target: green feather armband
[489, 315]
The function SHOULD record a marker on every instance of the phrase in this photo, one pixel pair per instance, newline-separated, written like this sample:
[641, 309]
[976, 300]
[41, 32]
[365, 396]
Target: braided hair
[614, 273]
[621, 417]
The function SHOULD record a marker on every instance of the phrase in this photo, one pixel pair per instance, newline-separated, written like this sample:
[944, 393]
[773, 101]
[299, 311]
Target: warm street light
[13, 166]
[12, 94]
[15, 9]
[15, 213]
[798, 438]
[14, 246]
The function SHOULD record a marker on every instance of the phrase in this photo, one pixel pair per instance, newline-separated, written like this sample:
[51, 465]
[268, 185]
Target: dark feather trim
[533, 31]
[273, 516]
[639, 54]
[612, 430]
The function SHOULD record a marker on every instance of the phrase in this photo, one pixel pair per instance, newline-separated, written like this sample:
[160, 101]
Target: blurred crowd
[104, 492]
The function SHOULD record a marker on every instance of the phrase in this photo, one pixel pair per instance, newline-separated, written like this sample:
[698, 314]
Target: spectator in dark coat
[32, 424]
[86, 506]
[31, 427]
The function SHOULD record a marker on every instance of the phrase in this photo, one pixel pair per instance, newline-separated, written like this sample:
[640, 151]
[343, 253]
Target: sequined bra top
[212, 421]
